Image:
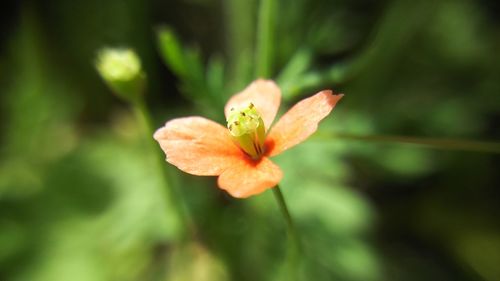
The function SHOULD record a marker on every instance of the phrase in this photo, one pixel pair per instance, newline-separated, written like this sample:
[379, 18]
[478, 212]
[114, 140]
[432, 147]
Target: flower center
[247, 130]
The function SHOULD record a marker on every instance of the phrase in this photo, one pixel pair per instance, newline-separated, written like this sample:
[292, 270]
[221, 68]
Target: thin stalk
[264, 60]
[240, 31]
[264, 69]
[291, 230]
[265, 33]
[169, 193]
[436, 143]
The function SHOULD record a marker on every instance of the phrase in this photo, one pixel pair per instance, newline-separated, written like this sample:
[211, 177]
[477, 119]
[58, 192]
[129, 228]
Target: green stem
[240, 31]
[437, 143]
[169, 193]
[265, 33]
[292, 231]
[264, 60]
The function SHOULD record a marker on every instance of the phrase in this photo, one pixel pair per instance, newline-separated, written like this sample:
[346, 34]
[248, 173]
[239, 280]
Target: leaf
[171, 51]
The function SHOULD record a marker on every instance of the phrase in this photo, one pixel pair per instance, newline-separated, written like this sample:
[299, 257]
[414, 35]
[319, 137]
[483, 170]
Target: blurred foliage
[81, 194]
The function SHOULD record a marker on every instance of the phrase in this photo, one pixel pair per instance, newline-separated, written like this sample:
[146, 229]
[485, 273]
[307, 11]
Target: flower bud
[122, 72]
[247, 130]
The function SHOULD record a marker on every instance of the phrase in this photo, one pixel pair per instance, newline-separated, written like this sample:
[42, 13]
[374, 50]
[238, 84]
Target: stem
[437, 143]
[265, 32]
[292, 231]
[169, 193]
[264, 58]
[240, 31]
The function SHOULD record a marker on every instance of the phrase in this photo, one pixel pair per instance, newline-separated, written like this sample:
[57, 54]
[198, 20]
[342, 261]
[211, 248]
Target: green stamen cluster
[247, 130]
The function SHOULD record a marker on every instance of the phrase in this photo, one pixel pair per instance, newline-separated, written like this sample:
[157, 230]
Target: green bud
[122, 72]
[247, 130]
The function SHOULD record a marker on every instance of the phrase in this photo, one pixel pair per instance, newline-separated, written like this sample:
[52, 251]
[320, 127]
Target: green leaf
[215, 79]
[171, 51]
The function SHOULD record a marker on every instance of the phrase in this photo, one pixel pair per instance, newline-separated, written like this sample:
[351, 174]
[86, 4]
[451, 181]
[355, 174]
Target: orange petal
[198, 146]
[300, 121]
[249, 177]
[264, 94]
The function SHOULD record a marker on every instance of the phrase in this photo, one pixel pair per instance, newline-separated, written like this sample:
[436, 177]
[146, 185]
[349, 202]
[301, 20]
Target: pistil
[247, 130]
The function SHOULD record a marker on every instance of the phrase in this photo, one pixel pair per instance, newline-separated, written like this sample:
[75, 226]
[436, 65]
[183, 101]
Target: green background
[82, 198]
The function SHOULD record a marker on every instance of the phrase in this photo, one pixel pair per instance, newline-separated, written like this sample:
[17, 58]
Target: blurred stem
[171, 195]
[438, 143]
[292, 231]
[265, 33]
[264, 58]
[240, 33]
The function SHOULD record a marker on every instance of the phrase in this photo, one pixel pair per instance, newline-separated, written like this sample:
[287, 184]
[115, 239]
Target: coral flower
[239, 154]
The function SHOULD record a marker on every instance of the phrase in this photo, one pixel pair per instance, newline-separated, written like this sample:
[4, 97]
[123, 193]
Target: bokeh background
[81, 196]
